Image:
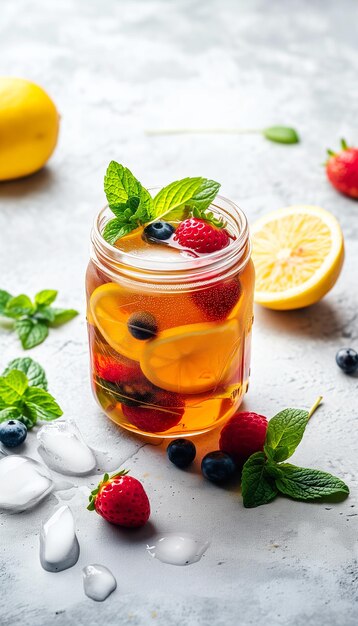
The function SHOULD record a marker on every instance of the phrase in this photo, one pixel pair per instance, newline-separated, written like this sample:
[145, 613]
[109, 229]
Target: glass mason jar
[189, 373]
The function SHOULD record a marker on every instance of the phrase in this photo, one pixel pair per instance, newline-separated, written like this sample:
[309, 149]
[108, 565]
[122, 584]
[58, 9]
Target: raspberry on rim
[201, 236]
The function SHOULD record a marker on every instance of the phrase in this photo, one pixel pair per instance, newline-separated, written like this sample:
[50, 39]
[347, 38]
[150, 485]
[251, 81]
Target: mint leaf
[284, 433]
[5, 296]
[115, 229]
[12, 387]
[130, 202]
[10, 413]
[257, 486]
[308, 484]
[39, 404]
[281, 134]
[31, 332]
[120, 184]
[204, 195]
[19, 306]
[44, 314]
[32, 320]
[46, 297]
[35, 373]
[62, 316]
[171, 200]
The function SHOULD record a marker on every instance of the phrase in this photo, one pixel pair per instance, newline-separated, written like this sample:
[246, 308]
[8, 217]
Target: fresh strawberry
[121, 500]
[342, 170]
[116, 370]
[243, 435]
[201, 236]
[217, 301]
[165, 412]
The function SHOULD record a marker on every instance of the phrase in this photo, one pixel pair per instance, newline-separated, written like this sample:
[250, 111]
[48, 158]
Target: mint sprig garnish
[134, 206]
[31, 320]
[24, 395]
[264, 475]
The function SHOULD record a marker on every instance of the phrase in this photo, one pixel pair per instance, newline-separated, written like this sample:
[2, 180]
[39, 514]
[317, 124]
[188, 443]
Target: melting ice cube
[63, 448]
[59, 548]
[98, 582]
[178, 549]
[23, 483]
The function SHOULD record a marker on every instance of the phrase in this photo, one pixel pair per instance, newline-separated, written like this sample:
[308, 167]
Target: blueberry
[218, 467]
[159, 230]
[12, 433]
[347, 360]
[142, 325]
[181, 452]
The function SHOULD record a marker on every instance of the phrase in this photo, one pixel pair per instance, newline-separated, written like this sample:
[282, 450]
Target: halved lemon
[298, 254]
[192, 358]
[107, 310]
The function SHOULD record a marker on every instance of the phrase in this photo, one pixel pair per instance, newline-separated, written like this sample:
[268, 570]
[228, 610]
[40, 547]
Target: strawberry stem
[106, 478]
[315, 406]
[344, 144]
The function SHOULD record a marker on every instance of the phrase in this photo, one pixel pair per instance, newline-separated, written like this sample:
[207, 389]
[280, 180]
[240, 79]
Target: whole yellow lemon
[29, 125]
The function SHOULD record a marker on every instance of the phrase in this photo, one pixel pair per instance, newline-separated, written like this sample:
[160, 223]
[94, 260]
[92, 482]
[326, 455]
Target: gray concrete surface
[115, 68]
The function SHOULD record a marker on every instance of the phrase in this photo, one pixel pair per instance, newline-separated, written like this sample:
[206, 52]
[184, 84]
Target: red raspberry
[243, 435]
[201, 236]
[116, 370]
[217, 301]
[167, 411]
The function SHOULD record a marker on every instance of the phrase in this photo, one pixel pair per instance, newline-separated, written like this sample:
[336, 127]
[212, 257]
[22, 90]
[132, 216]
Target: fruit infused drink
[170, 291]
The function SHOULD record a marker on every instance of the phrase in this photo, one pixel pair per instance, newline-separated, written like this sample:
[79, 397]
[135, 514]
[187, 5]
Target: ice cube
[59, 547]
[98, 582]
[23, 483]
[64, 450]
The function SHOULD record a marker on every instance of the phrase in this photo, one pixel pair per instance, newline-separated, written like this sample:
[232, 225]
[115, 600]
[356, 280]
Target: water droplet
[178, 549]
[98, 582]
[59, 548]
[64, 450]
[23, 483]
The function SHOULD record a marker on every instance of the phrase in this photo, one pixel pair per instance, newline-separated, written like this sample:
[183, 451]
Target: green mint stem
[315, 406]
[203, 131]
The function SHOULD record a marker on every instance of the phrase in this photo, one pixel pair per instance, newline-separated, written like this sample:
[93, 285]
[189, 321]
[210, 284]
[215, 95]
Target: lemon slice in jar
[191, 359]
[298, 254]
[108, 313]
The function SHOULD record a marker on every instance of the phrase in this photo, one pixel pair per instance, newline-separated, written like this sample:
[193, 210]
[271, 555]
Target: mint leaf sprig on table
[265, 474]
[32, 320]
[24, 395]
[134, 206]
[277, 134]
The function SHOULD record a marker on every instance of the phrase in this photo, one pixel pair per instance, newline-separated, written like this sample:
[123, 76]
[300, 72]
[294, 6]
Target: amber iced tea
[170, 330]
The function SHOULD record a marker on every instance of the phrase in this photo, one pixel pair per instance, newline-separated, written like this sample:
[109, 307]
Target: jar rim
[187, 269]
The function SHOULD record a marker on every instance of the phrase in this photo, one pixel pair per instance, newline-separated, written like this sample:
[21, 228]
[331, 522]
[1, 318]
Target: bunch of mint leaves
[134, 206]
[265, 474]
[32, 320]
[24, 395]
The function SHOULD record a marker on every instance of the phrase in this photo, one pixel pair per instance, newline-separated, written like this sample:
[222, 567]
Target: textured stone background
[115, 68]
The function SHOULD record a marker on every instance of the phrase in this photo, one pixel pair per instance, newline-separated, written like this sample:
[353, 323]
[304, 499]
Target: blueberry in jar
[159, 230]
[142, 325]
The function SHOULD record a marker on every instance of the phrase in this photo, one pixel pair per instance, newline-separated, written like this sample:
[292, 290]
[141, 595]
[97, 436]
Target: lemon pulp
[298, 254]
